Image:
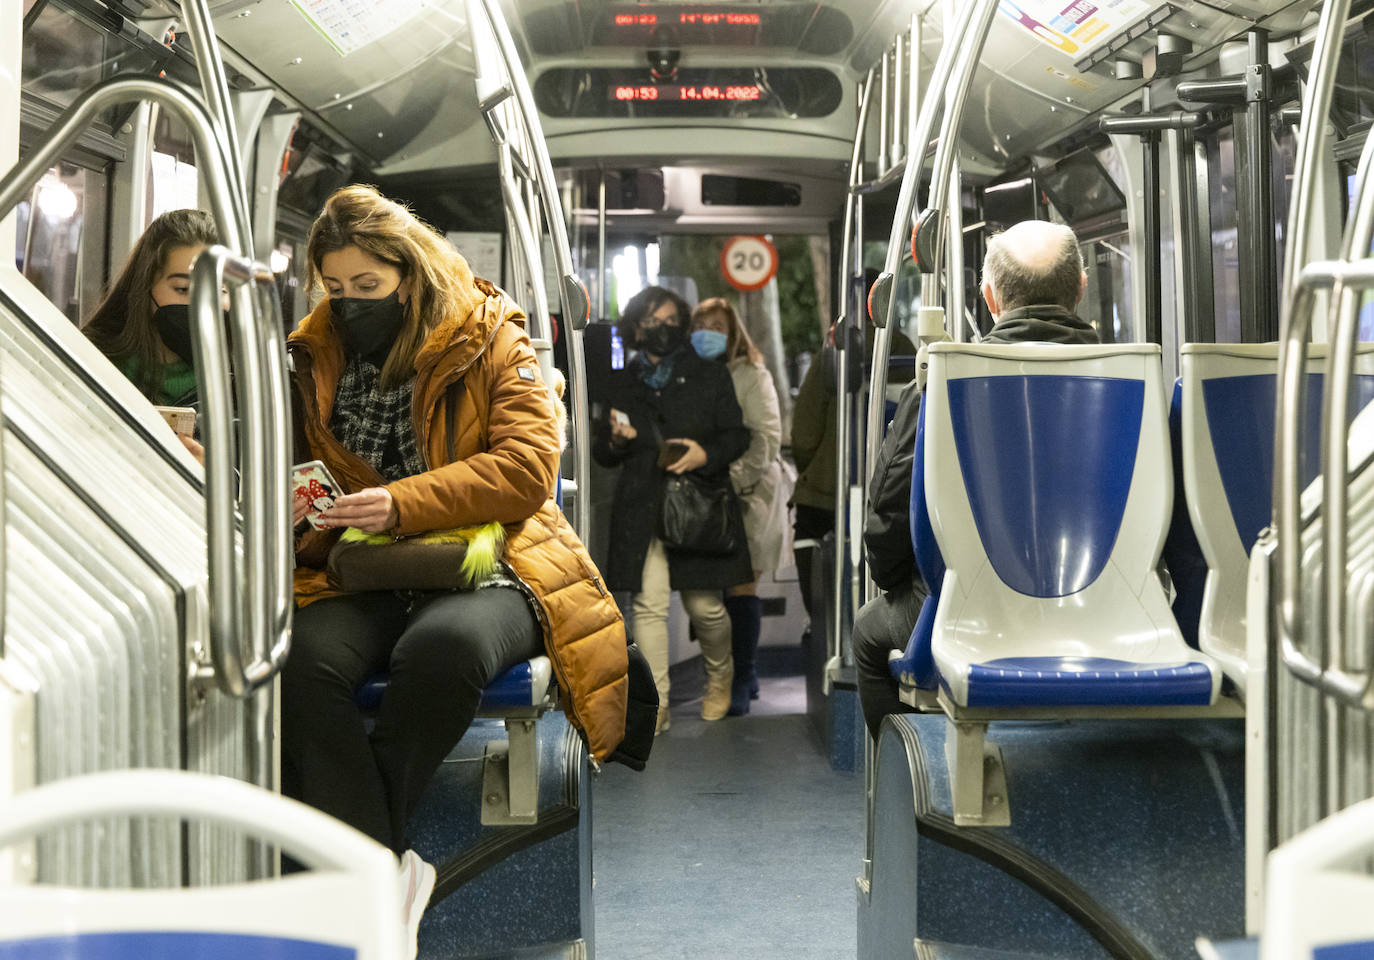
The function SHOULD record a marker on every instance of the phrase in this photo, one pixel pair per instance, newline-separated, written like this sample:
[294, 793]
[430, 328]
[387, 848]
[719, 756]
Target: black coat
[698, 403]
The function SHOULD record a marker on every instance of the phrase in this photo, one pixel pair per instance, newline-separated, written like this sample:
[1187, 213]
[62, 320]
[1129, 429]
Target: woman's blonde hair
[440, 280]
[738, 343]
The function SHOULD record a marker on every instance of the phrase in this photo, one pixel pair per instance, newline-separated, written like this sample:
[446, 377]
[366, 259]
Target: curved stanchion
[258, 349]
[262, 610]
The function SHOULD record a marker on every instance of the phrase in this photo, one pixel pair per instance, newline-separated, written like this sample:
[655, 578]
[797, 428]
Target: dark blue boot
[746, 615]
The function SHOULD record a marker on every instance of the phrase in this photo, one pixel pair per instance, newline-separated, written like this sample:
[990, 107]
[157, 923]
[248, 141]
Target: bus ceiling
[773, 79]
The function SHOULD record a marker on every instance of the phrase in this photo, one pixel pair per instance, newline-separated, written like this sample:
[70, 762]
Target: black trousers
[440, 650]
[882, 625]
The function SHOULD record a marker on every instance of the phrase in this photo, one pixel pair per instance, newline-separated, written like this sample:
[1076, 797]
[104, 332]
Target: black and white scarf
[376, 424]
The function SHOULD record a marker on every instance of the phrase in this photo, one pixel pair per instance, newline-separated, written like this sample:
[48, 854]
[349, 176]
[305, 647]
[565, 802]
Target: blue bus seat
[1048, 487]
[914, 668]
[519, 696]
[1182, 554]
[343, 908]
[1227, 441]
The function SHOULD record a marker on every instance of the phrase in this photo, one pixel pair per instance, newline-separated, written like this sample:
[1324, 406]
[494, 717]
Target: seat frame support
[510, 772]
[977, 776]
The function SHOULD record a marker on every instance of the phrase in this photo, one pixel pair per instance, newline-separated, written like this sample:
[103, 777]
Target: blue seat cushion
[1240, 419]
[1047, 463]
[1086, 682]
[512, 688]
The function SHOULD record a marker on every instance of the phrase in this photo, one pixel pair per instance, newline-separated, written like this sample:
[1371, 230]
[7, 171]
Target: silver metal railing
[259, 346]
[523, 156]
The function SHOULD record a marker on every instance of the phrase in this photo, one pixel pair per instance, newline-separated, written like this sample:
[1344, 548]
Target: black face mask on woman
[173, 323]
[662, 339]
[368, 327]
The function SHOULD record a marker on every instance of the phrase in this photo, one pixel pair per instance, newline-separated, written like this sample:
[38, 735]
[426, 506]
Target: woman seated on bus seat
[669, 399]
[404, 331]
[143, 324]
[762, 480]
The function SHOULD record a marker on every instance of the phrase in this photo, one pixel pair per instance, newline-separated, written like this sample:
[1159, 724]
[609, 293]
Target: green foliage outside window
[698, 256]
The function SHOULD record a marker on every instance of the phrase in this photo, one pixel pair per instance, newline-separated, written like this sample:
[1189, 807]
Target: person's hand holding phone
[621, 431]
[371, 511]
[693, 456]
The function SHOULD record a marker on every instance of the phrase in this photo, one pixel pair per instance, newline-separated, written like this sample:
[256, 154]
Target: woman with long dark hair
[671, 413]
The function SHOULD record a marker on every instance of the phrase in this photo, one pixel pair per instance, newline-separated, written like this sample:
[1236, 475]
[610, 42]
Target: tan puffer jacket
[504, 462]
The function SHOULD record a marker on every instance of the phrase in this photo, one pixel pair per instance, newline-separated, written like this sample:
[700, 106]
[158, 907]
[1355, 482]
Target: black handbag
[698, 516]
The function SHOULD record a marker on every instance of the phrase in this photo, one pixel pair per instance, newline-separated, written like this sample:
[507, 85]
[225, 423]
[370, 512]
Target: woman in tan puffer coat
[417, 387]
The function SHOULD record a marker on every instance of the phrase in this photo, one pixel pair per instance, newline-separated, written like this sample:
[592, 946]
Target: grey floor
[738, 841]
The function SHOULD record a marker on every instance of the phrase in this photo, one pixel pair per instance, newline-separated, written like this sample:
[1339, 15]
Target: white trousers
[706, 610]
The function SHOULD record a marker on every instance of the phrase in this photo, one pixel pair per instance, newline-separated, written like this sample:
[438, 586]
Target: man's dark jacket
[887, 527]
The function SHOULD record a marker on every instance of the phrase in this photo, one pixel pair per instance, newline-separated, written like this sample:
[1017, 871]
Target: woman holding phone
[671, 413]
[144, 323]
[419, 393]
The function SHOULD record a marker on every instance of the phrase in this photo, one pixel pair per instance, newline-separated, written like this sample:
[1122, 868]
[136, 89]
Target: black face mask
[368, 327]
[174, 327]
[662, 339]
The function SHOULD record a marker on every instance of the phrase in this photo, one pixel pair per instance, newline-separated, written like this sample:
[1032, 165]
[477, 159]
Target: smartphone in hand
[620, 417]
[180, 419]
[670, 453]
[312, 483]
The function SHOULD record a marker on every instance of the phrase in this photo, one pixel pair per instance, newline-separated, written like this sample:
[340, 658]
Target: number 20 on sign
[748, 263]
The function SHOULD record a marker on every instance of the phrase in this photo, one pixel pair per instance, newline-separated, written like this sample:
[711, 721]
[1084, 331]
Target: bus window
[60, 232]
[173, 177]
[1107, 300]
[64, 54]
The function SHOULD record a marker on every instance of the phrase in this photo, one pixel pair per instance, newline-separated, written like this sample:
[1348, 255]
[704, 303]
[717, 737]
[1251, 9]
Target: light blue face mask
[708, 344]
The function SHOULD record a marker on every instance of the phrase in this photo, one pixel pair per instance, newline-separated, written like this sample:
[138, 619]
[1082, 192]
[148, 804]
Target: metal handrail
[880, 298]
[270, 598]
[956, 93]
[234, 611]
[850, 250]
[1316, 106]
[1324, 669]
[572, 293]
[214, 85]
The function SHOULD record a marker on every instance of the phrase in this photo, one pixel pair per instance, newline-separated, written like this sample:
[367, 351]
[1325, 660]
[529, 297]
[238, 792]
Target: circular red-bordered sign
[748, 263]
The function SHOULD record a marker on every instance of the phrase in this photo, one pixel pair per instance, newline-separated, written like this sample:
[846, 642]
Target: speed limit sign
[748, 262]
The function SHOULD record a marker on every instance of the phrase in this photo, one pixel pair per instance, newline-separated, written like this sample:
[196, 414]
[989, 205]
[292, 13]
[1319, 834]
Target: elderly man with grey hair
[1032, 280]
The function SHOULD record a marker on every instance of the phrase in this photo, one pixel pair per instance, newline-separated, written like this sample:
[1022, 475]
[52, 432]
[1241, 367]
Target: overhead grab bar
[270, 594]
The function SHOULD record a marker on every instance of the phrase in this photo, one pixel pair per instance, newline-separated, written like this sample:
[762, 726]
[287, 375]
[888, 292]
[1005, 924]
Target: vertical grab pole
[850, 246]
[572, 294]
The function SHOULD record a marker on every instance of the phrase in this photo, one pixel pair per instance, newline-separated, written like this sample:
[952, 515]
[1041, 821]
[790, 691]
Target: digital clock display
[687, 19]
[703, 92]
[688, 24]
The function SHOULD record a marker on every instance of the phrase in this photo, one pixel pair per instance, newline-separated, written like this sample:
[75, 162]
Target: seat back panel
[1047, 463]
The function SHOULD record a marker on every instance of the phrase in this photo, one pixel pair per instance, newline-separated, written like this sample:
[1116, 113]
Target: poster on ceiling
[1074, 28]
[349, 25]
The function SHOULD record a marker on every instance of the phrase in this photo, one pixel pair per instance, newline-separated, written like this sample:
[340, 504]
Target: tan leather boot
[665, 721]
[719, 676]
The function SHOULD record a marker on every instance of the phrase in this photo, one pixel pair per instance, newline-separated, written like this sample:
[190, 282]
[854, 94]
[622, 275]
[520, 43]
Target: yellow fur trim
[479, 562]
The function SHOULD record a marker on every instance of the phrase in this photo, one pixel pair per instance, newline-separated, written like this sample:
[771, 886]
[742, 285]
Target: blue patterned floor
[738, 841]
